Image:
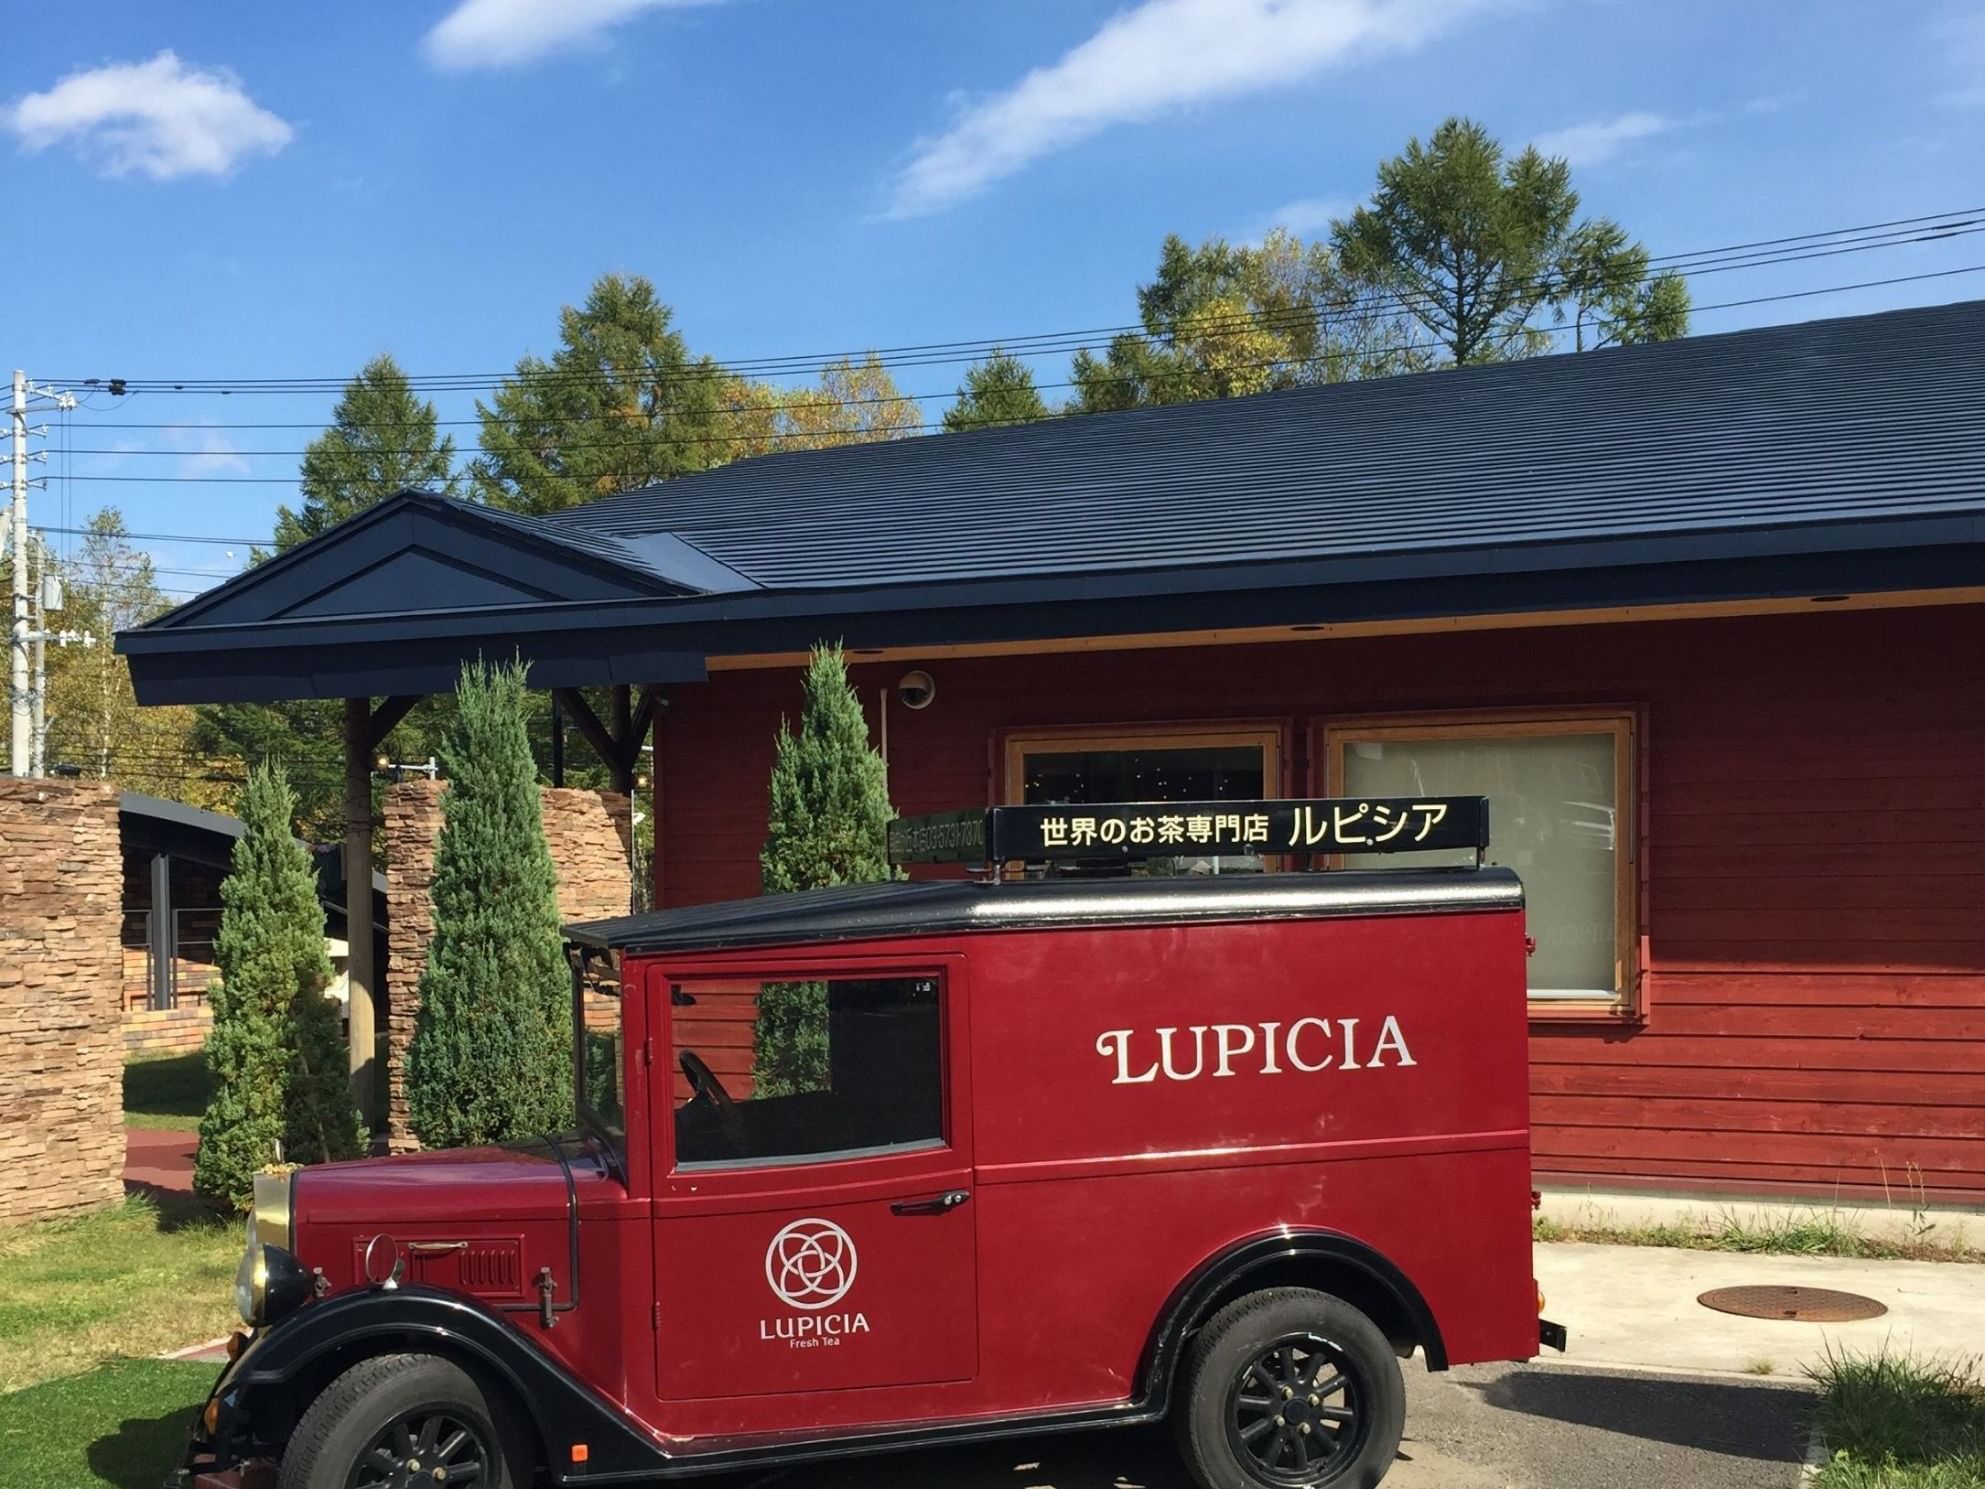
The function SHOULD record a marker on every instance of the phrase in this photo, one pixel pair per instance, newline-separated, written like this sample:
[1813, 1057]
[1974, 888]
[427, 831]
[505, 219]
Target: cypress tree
[491, 1057]
[829, 824]
[278, 1065]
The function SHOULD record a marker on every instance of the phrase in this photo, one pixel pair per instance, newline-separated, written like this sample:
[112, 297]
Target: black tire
[397, 1407]
[1290, 1387]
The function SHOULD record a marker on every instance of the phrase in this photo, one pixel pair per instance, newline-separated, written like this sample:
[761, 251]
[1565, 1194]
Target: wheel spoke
[1255, 1403]
[1325, 1387]
[1290, 1375]
[1302, 1446]
[1258, 1372]
[1257, 1429]
[449, 1448]
[1342, 1415]
[403, 1441]
[430, 1429]
[463, 1473]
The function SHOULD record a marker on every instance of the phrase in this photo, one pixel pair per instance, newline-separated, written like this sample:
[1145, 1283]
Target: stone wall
[61, 1052]
[589, 836]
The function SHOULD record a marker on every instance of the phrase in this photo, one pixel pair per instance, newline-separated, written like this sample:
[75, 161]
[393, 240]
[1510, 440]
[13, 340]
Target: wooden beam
[382, 719]
[597, 734]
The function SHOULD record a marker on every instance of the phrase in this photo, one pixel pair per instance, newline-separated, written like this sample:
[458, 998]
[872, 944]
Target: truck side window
[815, 1068]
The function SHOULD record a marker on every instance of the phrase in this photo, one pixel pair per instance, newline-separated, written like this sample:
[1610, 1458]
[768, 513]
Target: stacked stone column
[589, 834]
[61, 997]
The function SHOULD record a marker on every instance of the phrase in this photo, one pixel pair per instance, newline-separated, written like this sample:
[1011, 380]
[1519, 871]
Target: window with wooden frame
[1562, 812]
[1152, 762]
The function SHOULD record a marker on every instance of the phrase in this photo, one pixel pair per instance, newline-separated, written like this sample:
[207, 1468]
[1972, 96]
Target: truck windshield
[596, 1045]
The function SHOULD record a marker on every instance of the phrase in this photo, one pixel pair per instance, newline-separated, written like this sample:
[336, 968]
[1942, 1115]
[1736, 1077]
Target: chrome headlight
[251, 1278]
[270, 1282]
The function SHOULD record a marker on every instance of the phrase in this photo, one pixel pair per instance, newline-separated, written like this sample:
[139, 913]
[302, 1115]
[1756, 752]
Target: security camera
[916, 690]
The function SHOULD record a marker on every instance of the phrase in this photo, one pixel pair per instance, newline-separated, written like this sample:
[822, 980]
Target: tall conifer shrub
[491, 1057]
[280, 1085]
[829, 824]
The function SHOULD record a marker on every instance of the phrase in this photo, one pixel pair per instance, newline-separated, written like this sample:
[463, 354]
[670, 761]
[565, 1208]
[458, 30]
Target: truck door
[814, 1228]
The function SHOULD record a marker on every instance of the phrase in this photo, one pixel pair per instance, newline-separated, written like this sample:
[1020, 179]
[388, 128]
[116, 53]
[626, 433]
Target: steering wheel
[703, 1080]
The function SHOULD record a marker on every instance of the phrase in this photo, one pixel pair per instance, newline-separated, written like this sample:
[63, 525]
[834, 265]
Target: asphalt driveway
[1483, 1427]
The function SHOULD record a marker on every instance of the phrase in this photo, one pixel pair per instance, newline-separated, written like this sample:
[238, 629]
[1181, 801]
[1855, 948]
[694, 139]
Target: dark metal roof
[1870, 417]
[951, 907]
[1843, 456]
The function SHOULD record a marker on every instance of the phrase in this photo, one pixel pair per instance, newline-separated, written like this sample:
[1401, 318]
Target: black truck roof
[948, 907]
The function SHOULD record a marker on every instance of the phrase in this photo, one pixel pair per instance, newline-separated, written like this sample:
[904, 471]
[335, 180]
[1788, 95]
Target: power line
[834, 438]
[1756, 254]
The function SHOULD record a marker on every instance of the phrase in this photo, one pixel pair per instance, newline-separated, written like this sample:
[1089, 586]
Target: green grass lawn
[135, 1280]
[1892, 1422]
[120, 1426]
[166, 1092]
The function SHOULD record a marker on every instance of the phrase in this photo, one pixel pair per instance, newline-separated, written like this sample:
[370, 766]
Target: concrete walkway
[1635, 1306]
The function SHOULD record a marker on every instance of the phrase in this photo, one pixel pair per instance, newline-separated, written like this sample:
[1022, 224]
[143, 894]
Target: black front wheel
[1291, 1389]
[401, 1421]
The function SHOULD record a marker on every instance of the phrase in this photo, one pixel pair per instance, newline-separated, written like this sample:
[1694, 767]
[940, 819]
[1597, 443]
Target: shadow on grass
[1759, 1422]
[142, 1451]
[172, 1089]
[174, 1210]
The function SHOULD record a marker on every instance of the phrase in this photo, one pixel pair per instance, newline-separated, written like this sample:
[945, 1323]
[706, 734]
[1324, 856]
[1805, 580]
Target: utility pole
[17, 635]
[20, 633]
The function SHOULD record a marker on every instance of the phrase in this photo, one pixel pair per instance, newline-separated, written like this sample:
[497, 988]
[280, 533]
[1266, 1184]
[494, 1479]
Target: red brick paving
[159, 1161]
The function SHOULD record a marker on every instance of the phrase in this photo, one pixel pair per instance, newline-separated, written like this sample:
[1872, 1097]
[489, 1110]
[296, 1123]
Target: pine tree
[622, 403]
[492, 1049]
[829, 824]
[383, 439]
[278, 1065]
[997, 391]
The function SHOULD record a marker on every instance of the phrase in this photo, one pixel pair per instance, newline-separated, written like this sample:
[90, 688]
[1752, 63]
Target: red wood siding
[1815, 841]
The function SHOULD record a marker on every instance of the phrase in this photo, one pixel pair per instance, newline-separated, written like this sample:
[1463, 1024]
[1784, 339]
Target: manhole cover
[1812, 1305]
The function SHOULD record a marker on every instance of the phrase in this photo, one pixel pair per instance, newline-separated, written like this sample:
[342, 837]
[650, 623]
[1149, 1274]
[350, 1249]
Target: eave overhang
[666, 638]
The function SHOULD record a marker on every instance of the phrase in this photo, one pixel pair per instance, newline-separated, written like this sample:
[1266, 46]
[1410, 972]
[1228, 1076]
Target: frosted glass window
[1554, 817]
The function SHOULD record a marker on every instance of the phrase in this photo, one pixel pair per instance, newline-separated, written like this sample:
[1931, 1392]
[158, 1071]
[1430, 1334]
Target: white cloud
[1148, 61]
[210, 453]
[160, 118]
[506, 33]
[1601, 139]
[1306, 217]
[1961, 40]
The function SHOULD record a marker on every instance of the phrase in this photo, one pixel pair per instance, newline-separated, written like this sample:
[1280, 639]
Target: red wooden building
[1705, 620]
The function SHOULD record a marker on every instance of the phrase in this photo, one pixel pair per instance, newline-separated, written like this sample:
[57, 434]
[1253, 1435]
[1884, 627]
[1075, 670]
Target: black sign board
[1183, 829]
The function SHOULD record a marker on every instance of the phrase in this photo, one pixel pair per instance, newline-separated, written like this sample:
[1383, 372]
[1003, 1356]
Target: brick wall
[168, 1031]
[61, 1053]
[589, 835]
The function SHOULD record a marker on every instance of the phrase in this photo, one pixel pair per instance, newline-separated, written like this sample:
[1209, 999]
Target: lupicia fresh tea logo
[810, 1266]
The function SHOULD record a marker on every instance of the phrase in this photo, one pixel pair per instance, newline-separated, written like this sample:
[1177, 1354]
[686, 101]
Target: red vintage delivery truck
[900, 1164]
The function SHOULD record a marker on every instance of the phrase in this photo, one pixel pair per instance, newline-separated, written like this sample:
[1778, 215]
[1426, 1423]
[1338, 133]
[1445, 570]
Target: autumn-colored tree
[1223, 320]
[854, 403]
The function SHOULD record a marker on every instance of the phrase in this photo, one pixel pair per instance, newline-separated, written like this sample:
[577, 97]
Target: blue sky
[239, 190]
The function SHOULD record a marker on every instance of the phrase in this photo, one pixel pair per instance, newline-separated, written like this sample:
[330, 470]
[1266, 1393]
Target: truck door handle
[939, 1204]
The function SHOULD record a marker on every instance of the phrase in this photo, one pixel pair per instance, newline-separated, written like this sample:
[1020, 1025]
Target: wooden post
[358, 898]
[622, 768]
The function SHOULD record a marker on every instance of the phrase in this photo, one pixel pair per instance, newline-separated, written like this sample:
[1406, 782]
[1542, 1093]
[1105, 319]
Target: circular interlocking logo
[811, 1264]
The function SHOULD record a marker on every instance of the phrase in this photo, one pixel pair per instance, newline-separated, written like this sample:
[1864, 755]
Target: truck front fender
[331, 1335]
[1305, 1258]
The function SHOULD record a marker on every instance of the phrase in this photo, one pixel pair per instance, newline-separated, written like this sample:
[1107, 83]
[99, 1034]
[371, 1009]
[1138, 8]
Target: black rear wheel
[399, 1421]
[1291, 1389]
